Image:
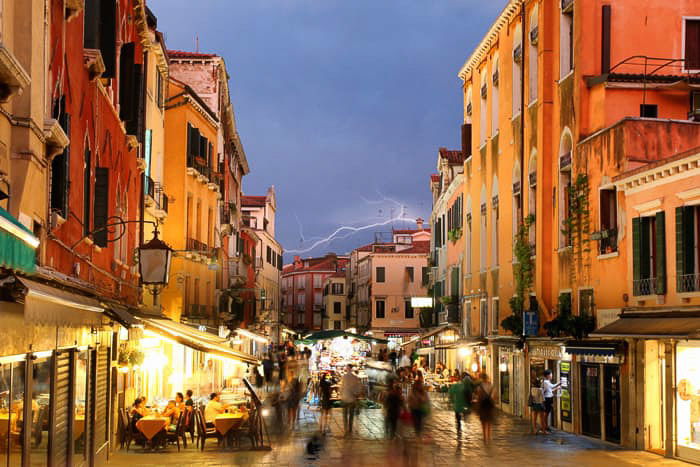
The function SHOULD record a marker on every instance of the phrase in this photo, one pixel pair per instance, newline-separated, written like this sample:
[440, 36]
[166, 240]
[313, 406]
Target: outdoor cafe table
[151, 425]
[78, 426]
[4, 426]
[226, 421]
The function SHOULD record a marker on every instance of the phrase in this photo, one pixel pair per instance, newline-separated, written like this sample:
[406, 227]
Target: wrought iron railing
[645, 286]
[688, 282]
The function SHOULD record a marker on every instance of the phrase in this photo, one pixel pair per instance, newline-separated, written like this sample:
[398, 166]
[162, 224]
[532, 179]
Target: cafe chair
[189, 423]
[124, 431]
[174, 436]
[247, 429]
[204, 433]
[134, 435]
[37, 427]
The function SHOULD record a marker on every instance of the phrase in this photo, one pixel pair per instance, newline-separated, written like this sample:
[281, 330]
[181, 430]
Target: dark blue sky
[341, 105]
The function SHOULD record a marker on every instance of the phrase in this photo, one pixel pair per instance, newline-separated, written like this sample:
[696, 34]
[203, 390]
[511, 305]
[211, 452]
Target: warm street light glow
[475, 366]
[464, 352]
[154, 261]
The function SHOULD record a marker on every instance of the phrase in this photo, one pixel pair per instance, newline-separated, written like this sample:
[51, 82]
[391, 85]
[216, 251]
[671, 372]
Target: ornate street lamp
[154, 263]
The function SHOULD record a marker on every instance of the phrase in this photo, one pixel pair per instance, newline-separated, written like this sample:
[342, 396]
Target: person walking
[405, 361]
[350, 390]
[268, 368]
[536, 404]
[487, 405]
[325, 386]
[419, 403]
[394, 404]
[457, 398]
[548, 390]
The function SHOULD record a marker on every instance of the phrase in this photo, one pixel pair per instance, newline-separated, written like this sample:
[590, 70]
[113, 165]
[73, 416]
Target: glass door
[611, 386]
[590, 400]
[12, 385]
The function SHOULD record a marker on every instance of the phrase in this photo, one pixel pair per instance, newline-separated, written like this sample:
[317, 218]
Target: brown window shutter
[101, 205]
[692, 44]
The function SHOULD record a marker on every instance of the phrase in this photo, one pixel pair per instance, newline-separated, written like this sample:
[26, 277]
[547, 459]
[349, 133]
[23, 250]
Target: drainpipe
[522, 111]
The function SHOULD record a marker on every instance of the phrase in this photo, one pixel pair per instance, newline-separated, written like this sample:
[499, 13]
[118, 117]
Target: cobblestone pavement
[512, 445]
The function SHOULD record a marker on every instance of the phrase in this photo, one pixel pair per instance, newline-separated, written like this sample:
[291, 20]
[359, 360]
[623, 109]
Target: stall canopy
[326, 335]
[601, 349]
[198, 340]
[438, 330]
[121, 314]
[663, 325]
[17, 244]
[48, 305]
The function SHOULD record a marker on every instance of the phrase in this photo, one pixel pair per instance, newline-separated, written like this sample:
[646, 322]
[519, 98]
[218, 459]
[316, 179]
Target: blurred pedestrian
[268, 368]
[419, 403]
[536, 404]
[393, 403]
[350, 390]
[487, 405]
[393, 358]
[548, 390]
[405, 361]
[457, 399]
[326, 404]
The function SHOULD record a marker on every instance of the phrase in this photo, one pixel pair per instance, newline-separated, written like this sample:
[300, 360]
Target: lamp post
[154, 264]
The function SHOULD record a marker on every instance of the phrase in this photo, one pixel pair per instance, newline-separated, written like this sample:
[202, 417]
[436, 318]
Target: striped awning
[595, 348]
[17, 244]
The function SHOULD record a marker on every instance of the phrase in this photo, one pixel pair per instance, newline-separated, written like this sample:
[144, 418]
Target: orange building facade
[562, 99]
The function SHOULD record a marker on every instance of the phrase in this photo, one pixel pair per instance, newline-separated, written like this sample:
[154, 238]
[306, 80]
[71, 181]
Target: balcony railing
[198, 247]
[644, 286]
[150, 187]
[688, 282]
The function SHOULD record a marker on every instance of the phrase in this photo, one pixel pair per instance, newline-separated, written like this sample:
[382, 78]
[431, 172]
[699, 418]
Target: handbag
[406, 417]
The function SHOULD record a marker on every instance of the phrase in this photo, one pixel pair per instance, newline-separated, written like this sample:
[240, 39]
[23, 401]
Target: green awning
[17, 244]
[327, 335]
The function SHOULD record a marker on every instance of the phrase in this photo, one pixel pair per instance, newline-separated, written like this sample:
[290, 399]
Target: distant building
[335, 306]
[258, 214]
[382, 279]
[302, 289]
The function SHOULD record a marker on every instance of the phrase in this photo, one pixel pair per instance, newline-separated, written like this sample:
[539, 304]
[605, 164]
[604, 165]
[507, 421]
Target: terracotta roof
[324, 263]
[435, 178]
[453, 156]
[418, 247]
[255, 201]
[365, 248]
[185, 54]
[409, 231]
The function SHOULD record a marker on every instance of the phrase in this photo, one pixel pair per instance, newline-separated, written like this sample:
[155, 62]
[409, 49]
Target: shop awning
[438, 330]
[327, 335]
[198, 340]
[17, 244]
[602, 349]
[44, 304]
[664, 325]
[252, 335]
[121, 314]
[425, 350]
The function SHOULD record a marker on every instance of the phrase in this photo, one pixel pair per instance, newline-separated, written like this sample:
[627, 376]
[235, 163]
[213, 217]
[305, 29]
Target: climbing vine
[523, 273]
[454, 235]
[576, 227]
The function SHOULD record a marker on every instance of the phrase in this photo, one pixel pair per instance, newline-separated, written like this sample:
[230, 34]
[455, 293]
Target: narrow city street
[512, 445]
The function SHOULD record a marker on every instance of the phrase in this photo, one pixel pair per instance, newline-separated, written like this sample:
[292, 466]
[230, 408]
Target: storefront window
[688, 396]
[11, 415]
[80, 391]
[41, 399]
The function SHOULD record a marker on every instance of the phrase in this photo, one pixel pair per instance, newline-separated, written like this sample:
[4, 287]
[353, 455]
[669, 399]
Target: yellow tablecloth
[226, 421]
[78, 426]
[150, 425]
[4, 426]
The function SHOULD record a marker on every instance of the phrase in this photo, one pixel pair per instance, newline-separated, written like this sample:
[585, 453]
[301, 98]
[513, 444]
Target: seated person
[138, 411]
[214, 407]
[180, 401]
[173, 413]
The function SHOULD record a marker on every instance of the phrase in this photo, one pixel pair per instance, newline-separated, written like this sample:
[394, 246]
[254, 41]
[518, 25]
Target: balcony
[201, 249]
[688, 282]
[646, 286]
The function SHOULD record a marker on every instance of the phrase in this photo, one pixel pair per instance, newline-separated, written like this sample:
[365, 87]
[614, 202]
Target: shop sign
[546, 351]
[565, 396]
[531, 323]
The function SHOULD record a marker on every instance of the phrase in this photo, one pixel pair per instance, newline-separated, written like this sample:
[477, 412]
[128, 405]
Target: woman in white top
[548, 390]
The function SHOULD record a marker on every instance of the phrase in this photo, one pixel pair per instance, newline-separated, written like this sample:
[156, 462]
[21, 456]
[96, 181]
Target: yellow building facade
[191, 145]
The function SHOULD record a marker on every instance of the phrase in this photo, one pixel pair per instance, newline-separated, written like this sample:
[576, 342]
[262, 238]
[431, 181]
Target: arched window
[565, 148]
[532, 195]
[517, 69]
[483, 109]
[468, 236]
[494, 222]
[482, 232]
[468, 107]
[532, 56]
[494, 94]
[566, 40]
[517, 197]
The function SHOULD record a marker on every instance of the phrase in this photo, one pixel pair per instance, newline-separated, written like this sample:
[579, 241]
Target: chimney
[419, 223]
[297, 262]
[467, 139]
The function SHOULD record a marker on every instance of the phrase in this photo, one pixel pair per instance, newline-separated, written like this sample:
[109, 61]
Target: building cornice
[669, 172]
[489, 40]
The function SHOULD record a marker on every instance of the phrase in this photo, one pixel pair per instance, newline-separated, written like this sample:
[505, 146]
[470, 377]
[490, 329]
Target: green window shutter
[660, 253]
[680, 253]
[455, 281]
[636, 248]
